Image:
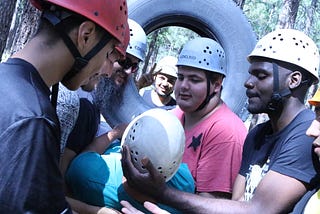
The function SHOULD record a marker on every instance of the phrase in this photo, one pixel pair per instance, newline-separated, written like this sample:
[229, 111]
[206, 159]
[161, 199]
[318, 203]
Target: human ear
[86, 36]
[295, 79]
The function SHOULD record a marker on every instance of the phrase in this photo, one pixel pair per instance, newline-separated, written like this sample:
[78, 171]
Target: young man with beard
[278, 165]
[164, 78]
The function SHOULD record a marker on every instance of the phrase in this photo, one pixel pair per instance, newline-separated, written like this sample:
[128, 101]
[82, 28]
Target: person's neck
[193, 118]
[288, 113]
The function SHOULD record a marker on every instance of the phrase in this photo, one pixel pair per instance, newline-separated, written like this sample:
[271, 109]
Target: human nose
[106, 69]
[165, 82]
[184, 84]
[249, 82]
[314, 129]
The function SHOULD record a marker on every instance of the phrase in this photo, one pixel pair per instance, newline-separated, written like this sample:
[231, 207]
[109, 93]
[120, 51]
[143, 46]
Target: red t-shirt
[213, 149]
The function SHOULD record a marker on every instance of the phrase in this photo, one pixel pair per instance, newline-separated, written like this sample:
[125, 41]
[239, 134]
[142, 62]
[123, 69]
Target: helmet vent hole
[274, 38]
[199, 62]
[96, 13]
[297, 44]
[264, 49]
[299, 59]
[208, 63]
[159, 168]
[281, 39]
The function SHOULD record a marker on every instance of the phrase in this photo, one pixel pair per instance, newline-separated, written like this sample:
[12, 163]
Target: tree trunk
[310, 13]
[24, 24]
[7, 8]
[151, 49]
[240, 3]
[288, 14]
[309, 22]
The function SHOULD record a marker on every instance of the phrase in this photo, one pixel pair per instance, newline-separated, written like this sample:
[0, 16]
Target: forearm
[192, 203]
[99, 144]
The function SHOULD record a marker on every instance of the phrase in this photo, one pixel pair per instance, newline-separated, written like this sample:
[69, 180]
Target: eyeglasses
[127, 63]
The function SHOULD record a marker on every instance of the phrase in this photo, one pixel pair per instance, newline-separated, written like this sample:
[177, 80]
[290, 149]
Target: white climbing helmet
[289, 45]
[158, 135]
[138, 40]
[203, 53]
[167, 65]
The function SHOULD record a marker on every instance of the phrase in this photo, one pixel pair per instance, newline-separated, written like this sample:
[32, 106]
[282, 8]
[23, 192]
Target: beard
[108, 95]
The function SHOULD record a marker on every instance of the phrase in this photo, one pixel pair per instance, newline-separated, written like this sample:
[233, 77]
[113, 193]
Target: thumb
[149, 166]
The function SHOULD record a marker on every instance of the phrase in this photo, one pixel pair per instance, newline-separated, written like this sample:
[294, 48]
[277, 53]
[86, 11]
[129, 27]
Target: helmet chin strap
[208, 97]
[80, 62]
[277, 96]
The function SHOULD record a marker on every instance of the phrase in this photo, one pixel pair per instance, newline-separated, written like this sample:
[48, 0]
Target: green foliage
[263, 16]
[170, 40]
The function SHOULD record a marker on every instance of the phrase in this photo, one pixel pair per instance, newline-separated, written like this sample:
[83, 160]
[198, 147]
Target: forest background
[19, 21]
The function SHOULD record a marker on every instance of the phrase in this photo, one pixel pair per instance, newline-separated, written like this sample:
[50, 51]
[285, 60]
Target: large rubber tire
[217, 19]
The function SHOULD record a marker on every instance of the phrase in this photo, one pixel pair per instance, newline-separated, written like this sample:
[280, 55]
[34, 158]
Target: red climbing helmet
[110, 15]
[122, 47]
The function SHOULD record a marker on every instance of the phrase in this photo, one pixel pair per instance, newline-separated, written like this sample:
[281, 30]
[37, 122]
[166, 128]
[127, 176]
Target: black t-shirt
[289, 152]
[85, 128]
[30, 180]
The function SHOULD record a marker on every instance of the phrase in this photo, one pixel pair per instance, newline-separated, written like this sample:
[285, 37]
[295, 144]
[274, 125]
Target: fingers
[128, 208]
[154, 208]
[127, 166]
[153, 68]
[149, 166]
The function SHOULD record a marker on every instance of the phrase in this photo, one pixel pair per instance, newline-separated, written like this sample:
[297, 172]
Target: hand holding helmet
[158, 135]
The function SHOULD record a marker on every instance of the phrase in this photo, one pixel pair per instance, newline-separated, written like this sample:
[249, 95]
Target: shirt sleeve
[30, 178]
